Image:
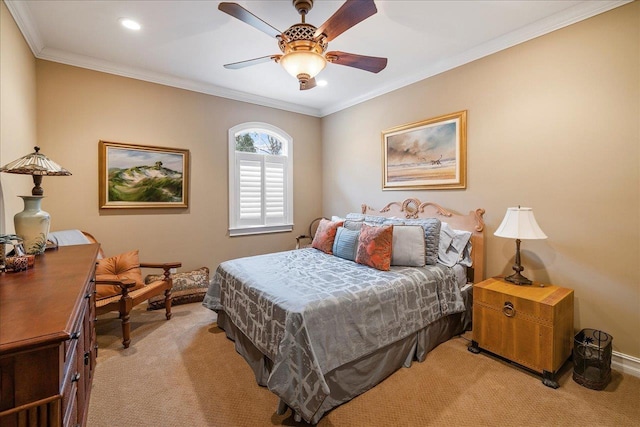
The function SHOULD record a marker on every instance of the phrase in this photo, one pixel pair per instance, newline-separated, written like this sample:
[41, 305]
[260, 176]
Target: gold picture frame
[429, 155]
[142, 176]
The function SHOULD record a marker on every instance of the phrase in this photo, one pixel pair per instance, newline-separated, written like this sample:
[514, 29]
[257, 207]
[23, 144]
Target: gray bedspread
[310, 313]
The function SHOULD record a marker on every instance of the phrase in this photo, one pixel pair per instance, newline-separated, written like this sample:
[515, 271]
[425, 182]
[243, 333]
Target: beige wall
[552, 124]
[17, 115]
[78, 107]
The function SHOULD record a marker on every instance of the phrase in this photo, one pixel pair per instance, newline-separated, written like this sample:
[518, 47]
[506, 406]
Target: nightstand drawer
[538, 304]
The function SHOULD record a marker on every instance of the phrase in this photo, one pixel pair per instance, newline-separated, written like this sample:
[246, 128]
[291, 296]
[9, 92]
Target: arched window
[260, 179]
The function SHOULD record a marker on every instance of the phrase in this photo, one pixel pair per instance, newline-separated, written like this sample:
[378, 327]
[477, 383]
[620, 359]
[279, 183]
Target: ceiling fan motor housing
[300, 37]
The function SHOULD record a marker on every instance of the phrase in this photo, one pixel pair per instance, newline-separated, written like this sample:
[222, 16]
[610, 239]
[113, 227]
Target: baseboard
[625, 363]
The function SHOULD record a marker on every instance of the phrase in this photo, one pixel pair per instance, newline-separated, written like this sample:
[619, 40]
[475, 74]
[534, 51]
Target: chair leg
[126, 330]
[168, 299]
[126, 304]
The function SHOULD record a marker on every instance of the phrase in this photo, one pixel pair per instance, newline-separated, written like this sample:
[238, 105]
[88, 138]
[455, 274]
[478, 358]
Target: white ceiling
[185, 43]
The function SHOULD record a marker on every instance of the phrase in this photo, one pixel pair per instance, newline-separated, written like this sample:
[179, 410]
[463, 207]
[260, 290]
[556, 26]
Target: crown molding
[169, 80]
[21, 14]
[560, 20]
[577, 13]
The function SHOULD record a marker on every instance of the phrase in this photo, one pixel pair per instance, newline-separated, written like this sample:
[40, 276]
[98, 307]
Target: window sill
[260, 229]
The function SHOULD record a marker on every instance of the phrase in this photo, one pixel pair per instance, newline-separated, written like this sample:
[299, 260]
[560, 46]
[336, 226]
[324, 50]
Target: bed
[318, 329]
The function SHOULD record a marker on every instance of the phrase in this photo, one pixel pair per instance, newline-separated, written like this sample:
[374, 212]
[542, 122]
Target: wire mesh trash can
[592, 358]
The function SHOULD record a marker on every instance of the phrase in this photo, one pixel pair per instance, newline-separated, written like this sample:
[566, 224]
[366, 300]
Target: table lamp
[32, 224]
[519, 223]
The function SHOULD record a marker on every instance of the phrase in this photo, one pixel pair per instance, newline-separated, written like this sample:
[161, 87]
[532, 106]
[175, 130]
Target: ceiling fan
[304, 47]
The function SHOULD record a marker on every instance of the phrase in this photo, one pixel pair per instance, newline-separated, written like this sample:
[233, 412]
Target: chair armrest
[300, 237]
[125, 284]
[166, 265]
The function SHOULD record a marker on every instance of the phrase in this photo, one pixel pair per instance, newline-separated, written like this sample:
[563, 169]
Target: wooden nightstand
[529, 325]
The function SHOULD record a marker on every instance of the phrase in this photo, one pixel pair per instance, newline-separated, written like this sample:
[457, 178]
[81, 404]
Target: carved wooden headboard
[473, 222]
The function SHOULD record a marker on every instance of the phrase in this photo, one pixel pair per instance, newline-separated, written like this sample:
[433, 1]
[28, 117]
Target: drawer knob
[508, 309]
[75, 335]
[76, 377]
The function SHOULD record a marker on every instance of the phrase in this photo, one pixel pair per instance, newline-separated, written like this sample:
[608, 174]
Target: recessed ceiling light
[130, 24]
[321, 83]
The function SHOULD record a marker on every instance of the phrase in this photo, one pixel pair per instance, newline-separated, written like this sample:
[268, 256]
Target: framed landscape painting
[429, 155]
[142, 176]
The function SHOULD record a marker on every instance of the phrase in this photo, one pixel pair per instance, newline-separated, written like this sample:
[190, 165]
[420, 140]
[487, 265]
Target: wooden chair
[121, 293]
[313, 226]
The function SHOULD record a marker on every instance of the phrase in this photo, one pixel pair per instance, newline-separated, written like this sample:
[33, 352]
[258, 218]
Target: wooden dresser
[529, 325]
[47, 339]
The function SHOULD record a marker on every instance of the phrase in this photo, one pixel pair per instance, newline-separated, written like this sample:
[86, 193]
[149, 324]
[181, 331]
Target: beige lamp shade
[519, 223]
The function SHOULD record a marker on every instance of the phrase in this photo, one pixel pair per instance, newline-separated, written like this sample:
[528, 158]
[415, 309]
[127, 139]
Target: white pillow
[454, 247]
[408, 246]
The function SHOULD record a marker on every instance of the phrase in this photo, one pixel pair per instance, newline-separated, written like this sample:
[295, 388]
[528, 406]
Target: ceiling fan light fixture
[303, 64]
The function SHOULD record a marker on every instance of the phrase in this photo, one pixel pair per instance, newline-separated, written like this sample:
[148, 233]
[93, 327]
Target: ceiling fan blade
[349, 14]
[373, 64]
[247, 17]
[249, 62]
[311, 83]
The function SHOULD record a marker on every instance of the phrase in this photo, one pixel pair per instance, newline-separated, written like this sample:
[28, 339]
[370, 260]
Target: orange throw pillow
[325, 235]
[374, 246]
[119, 267]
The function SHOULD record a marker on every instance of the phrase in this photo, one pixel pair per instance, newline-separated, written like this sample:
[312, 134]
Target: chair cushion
[119, 267]
[189, 286]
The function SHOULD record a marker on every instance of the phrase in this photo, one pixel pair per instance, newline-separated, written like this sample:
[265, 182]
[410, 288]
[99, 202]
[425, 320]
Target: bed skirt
[354, 378]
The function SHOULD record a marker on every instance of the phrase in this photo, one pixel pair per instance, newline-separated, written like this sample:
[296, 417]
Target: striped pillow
[345, 243]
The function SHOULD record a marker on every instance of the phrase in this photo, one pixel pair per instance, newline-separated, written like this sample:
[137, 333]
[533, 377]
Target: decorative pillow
[189, 286]
[454, 247]
[119, 267]
[346, 243]
[368, 219]
[431, 228]
[408, 246]
[374, 246]
[325, 235]
[353, 224]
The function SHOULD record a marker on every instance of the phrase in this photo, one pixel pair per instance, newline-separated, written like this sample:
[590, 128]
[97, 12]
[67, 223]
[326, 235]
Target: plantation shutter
[250, 190]
[261, 189]
[274, 180]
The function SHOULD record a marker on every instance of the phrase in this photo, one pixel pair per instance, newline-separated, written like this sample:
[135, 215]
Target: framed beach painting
[142, 176]
[429, 155]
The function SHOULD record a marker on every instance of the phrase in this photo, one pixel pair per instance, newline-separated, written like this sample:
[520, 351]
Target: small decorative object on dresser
[529, 325]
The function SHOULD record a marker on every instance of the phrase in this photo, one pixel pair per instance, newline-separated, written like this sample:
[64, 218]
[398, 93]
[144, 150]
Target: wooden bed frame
[473, 222]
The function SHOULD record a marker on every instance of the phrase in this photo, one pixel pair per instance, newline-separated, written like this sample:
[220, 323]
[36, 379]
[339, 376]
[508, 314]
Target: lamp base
[518, 279]
[32, 225]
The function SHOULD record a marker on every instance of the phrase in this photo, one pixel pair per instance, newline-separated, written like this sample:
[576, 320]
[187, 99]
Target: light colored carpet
[185, 372]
